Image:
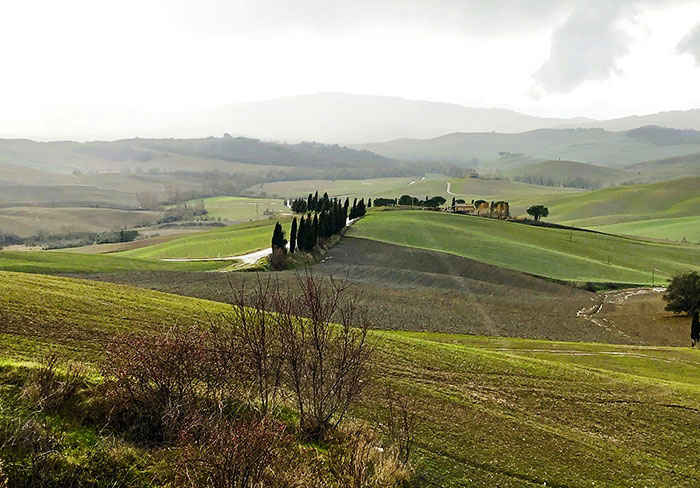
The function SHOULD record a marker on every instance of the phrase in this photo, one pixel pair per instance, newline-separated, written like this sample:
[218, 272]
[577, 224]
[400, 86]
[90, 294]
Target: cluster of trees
[433, 202]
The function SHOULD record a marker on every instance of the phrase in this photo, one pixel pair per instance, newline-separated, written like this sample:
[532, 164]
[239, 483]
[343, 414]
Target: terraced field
[226, 241]
[495, 412]
[553, 253]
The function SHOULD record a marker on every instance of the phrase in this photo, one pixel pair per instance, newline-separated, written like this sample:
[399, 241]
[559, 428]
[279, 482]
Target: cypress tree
[453, 201]
[301, 234]
[309, 237]
[316, 202]
[293, 236]
[310, 202]
[369, 203]
[278, 239]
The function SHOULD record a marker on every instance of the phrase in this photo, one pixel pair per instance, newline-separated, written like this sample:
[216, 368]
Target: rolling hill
[499, 150]
[495, 408]
[665, 200]
[553, 253]
[569, 174]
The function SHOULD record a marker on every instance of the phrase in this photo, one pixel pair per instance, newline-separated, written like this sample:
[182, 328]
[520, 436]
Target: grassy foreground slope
[535, 250]
[494, 412]
[226, 241]
[63, 262]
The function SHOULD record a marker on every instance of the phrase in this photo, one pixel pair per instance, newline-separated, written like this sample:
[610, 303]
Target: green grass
[535, 250]
[241, 208]
[226, 241]
[671, 199]
[62, 262]
[674, 229]
[432, 185]
[494, 411]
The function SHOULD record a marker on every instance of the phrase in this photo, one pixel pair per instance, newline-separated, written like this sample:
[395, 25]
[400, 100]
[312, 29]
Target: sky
[560, 58]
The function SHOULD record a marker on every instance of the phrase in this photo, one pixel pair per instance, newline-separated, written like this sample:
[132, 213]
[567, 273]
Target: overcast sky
[595, 58]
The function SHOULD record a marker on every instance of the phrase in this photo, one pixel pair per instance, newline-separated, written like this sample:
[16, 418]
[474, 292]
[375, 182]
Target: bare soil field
[417, 290]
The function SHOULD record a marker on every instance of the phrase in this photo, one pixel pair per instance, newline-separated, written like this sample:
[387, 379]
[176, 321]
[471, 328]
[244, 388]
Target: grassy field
[29, 221]
[671, 199]
[225, 241]
[62, 262]
[673, 229]
[536, 250]
[494, 411]
[432, 185]
[241, 208]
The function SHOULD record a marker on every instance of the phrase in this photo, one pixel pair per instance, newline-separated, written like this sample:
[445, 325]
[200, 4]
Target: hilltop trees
[683, 296]
[538, 211]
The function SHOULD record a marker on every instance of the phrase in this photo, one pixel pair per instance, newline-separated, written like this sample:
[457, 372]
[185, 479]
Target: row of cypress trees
[324, 217]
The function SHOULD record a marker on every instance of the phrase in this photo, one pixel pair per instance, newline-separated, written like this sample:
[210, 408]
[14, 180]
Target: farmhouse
[464, 208]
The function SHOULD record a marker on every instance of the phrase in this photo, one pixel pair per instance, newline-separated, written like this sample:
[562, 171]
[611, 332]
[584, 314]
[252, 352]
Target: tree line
[322, 217]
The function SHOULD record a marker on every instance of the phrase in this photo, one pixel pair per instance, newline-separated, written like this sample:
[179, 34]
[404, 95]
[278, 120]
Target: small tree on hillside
[454, 201]
[278, 239]
[301, 234]
[538, 211]
[293, 236]
[683, 296]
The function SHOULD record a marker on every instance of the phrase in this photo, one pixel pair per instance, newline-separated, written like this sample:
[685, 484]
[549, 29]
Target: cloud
[690, 44]
[586, 47]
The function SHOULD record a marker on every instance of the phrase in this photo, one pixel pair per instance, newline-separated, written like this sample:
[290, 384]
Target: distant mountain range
[323, 117]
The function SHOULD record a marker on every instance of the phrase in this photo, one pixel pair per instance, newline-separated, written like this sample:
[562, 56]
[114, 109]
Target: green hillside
[569, 173]
[222, 242]
[536, 250]
[64, 262]
[663, 169]
[240, 208]
[676, 229]
[430, 185]
[493, 410]
[670, 199]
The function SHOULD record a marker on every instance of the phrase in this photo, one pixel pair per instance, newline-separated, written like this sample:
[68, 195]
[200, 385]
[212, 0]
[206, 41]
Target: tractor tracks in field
[593, 313]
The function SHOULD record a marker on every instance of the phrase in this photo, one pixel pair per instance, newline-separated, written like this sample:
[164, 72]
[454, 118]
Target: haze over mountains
[323, 117]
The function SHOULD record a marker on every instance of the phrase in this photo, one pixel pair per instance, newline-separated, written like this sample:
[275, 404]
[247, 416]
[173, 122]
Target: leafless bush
[401, 423]
[48, 389]
[254, 337]
[357, 460]
[153, 382]
[327, 360]
[218, 453]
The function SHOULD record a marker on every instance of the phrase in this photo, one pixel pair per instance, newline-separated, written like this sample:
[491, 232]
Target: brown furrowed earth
[418, 290]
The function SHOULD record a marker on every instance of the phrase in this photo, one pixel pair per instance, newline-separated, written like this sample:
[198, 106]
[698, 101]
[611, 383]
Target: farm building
[465, 208]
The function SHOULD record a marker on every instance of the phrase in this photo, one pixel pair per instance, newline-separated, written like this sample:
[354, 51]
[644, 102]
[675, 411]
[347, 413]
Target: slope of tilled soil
[411, 289]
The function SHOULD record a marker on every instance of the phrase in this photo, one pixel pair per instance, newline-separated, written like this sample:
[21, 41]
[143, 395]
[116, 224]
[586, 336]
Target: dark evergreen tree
[316, 202]
[301, 234]
[369, 203]
[278, 239]
[293, 236]
[454, 201]
[310, 203]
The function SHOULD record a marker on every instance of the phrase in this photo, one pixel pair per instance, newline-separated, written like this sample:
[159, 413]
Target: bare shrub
[152, 382]
[327, 360]
[218, 453]
[252, 334]
[49, 389]
[401, 423]
[357, 460]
